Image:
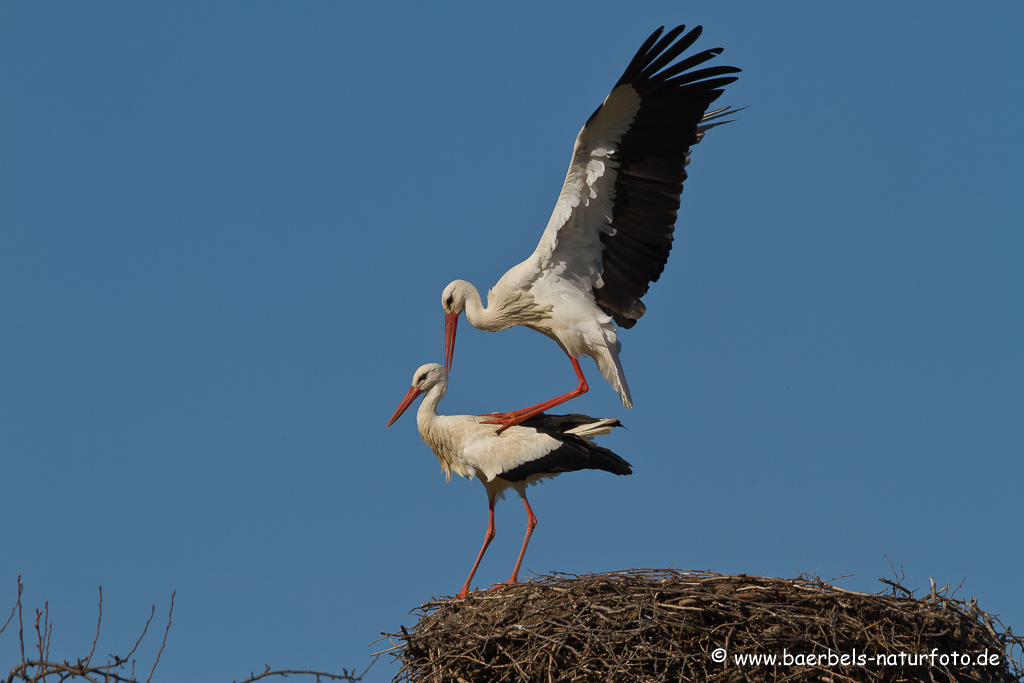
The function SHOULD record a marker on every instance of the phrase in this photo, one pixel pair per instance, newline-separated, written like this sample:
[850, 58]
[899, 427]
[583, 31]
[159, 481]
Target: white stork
[539, 448]
[611, 231]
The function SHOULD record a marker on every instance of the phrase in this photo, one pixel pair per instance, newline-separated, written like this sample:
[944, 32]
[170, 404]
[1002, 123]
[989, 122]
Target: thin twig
[164, 642]
[99, 618]
[13, 609]
[345, 674]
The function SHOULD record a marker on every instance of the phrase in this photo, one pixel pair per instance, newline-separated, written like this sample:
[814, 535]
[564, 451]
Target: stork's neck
[426, 415]
[433, 431]
[500, 313]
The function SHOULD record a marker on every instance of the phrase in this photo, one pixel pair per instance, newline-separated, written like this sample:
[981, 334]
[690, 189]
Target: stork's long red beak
[451, 323]
[410, 396]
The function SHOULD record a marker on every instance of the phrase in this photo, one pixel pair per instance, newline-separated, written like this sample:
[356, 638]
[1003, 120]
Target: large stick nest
[666, 625]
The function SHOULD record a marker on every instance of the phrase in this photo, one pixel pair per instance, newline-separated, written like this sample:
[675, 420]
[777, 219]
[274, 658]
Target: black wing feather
[652, 157]
[575, 453]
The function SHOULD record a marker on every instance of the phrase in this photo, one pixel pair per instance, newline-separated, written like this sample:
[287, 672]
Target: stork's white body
[610, 233]
[516, 458]
[467, 446]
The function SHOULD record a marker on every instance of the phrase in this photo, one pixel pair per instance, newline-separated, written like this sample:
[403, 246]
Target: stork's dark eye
[451, 300]
[423, 378]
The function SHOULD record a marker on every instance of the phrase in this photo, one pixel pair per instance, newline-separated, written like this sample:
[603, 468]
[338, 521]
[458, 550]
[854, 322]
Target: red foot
[499, 586]
[506, 420]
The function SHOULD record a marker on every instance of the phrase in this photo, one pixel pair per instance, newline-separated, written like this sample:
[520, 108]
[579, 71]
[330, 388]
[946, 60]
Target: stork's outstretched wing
[611, 229]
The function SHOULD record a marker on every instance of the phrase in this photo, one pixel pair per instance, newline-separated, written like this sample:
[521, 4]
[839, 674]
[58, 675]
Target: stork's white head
[424, 379]
[453, 301]
[429, 376]
[453, 298]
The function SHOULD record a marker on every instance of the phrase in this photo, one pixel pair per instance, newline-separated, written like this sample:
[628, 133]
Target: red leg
[507, 420]
[531, 524]
[488, 537]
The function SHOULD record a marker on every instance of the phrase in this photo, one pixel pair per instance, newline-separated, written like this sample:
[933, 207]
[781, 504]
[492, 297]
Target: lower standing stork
[611, 231]
[539, 448]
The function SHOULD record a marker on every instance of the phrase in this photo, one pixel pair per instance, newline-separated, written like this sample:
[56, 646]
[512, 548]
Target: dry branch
[117, 669]
[667, 625]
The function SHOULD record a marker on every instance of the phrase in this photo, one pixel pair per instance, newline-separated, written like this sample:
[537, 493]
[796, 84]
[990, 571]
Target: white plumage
[610, 233]
[540, 448]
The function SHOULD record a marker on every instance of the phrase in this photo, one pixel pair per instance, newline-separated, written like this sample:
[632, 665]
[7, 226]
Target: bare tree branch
[99, 618]
[164, 642]
[152, 611]
[13, 609]
[39, 670]
[345, 675]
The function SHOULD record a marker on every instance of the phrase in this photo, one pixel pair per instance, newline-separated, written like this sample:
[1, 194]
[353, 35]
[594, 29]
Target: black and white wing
[571, 449]
[611, 229]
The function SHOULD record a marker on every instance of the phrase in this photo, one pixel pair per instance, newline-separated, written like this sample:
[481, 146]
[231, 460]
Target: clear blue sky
[226, 227]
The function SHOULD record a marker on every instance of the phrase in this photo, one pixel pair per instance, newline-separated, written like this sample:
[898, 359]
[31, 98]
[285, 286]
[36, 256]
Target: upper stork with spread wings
[610, 234]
